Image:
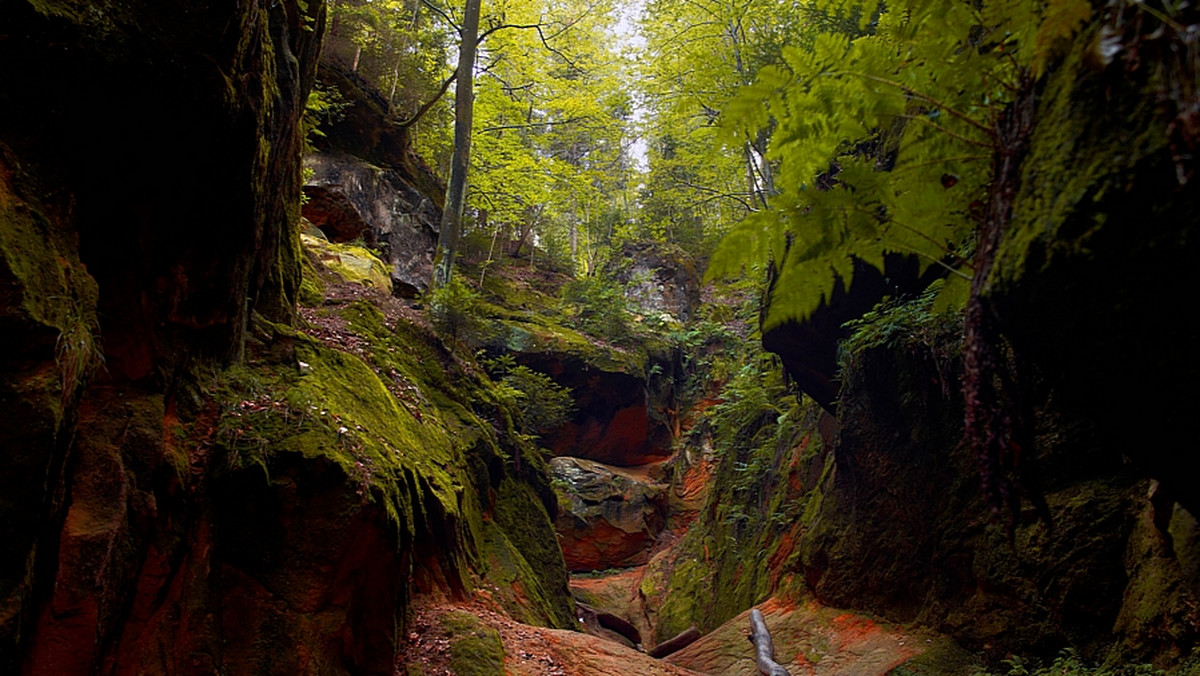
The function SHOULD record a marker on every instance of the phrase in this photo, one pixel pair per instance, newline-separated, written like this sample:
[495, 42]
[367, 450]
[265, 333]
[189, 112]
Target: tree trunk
[464, 109]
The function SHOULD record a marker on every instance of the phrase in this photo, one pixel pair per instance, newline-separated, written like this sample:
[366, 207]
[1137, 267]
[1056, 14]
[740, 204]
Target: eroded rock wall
[149, 190]
[1095, 259]
[187, 484]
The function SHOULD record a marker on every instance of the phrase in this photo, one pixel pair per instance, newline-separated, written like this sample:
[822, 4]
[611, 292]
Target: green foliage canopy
[882, 135]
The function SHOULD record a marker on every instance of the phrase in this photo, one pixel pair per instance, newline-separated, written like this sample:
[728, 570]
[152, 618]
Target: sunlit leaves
[550, 127]
[883, 140]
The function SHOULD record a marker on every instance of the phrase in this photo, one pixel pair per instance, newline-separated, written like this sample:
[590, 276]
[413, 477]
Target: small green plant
[543, 403]
[1069, 663]
[324, 105]
[77, 350]
[896, 322]
[455, 310]
[600, 305]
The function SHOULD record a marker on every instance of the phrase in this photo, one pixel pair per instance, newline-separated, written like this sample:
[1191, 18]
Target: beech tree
[551, 160]
[464, 108]
[699, 54]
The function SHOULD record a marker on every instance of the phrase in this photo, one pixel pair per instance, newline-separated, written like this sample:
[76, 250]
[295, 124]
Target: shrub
[455, 310]
[543, 403]
[600, 306]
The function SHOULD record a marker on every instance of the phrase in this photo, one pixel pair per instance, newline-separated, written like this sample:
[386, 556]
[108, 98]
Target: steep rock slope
[165, 511]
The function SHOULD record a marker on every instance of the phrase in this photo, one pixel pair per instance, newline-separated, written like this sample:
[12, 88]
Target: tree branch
[441, 13]
[764, 647]
[430, 103]
[960, 137]
[930, 100]
[537, 124]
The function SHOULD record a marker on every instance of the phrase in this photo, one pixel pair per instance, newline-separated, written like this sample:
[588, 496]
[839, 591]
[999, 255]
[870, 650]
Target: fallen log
[680, 641]
[764, 647]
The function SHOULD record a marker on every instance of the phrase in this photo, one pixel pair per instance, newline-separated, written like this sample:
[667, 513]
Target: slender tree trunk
[464, 113]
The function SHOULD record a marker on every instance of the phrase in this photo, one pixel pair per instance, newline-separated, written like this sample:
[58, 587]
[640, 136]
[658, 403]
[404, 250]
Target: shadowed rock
[676, 643]
[610, 518]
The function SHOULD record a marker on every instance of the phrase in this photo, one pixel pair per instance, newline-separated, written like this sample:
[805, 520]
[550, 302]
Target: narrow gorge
[863, 327]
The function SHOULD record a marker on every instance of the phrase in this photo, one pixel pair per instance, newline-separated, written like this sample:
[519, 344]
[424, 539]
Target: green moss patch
[523, 518]
[414, 428]
[475, 649]
[352, 263]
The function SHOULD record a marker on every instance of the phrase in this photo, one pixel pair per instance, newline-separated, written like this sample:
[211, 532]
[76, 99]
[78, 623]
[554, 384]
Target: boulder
[350, 199]
[609, 518]
[660, 279]
[353, 264]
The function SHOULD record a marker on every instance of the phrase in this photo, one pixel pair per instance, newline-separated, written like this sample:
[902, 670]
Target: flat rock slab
[810, 640]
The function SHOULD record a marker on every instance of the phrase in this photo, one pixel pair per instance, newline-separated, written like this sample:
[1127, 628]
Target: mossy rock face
[743, 548]
[51, 346]
[902, 530]
[1099, 259]
[312, 287]
[387, 447]
[525, 523]
[196, 239]
[351, 263]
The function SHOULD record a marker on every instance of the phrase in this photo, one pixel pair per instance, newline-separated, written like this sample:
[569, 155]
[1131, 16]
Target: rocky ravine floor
[810, 640]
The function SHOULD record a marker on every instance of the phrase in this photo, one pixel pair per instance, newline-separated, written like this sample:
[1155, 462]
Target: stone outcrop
[809, 349]
[187, 483]
[365, 129]
[659, 280]
[618, 419]
[902, 529]
[349, 199]
[365, 183]
[609, 518]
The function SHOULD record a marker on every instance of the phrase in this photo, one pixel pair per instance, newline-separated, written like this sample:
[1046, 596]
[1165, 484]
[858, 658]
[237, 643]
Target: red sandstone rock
[609, 517]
